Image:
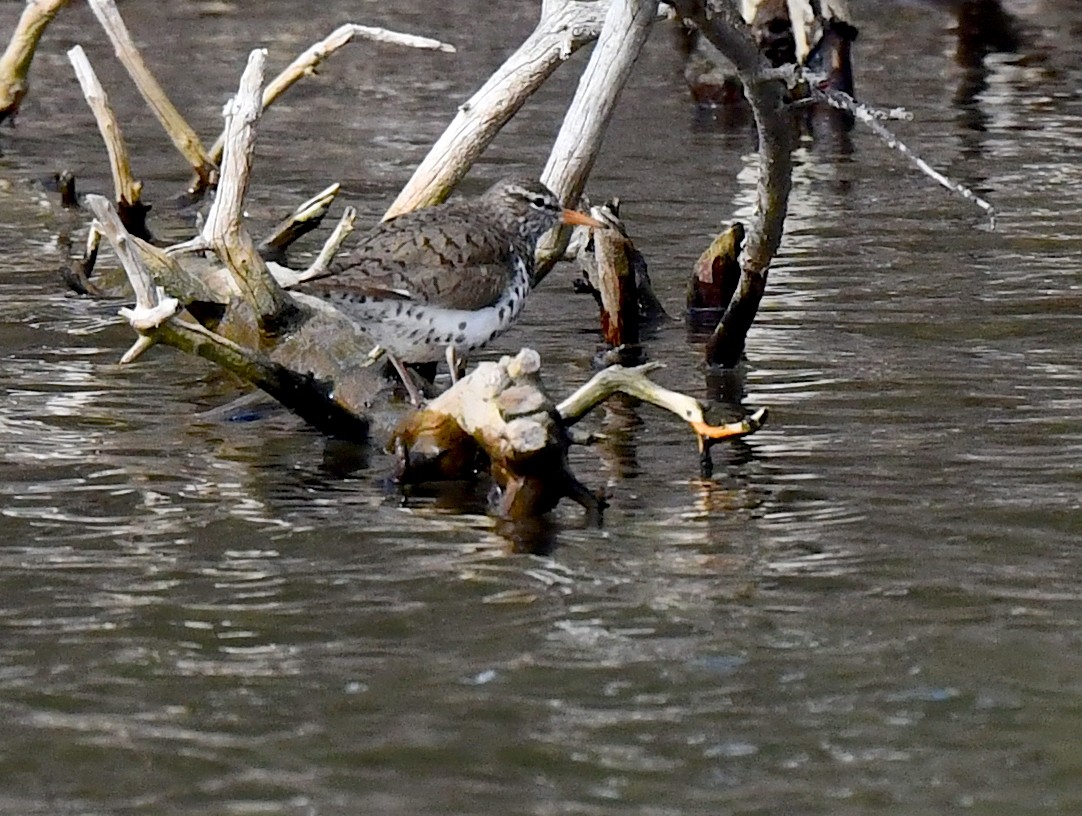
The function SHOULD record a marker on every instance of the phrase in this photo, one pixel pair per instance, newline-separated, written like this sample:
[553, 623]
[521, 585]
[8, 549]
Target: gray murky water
[872, 607]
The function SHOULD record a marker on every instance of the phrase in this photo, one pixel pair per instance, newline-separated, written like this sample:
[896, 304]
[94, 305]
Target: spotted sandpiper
[445, 280]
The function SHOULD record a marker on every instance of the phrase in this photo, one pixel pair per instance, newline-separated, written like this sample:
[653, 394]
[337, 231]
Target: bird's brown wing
[455, 261]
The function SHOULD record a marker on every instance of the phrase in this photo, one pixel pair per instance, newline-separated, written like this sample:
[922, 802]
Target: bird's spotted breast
[454, 275]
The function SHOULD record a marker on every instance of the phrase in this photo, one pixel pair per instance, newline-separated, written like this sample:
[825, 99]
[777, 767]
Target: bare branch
[307, 62]
[635, 383]
[224, 230]
[565, 26]
[128, 190]
[729, 34]
[578, 143]
[181, 133]
[15, 63]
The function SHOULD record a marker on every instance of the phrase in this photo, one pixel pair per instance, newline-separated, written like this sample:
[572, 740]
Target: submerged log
[240, 314]
[501, 418]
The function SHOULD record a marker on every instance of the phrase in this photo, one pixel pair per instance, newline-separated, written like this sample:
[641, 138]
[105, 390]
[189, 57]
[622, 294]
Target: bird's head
[532, 209]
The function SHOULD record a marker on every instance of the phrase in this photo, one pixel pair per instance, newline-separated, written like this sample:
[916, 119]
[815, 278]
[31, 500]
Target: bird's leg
[455, 364]
[407, 379]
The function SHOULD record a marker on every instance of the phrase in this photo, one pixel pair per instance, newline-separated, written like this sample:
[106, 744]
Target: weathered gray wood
[564, 27]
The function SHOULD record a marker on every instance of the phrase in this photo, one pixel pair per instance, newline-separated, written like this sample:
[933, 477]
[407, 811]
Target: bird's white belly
[421, 332]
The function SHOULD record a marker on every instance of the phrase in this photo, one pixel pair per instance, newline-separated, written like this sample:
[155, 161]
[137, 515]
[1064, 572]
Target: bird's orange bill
[581, 219]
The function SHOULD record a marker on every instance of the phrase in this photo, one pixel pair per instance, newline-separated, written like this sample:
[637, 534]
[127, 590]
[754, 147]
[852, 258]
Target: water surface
[871, 607]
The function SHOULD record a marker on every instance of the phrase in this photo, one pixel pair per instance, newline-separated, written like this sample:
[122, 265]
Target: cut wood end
[147, 318]
[731, 430]
[523, 364]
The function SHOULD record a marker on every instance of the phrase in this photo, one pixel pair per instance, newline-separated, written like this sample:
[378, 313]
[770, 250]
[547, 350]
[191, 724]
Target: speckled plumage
[454, 275]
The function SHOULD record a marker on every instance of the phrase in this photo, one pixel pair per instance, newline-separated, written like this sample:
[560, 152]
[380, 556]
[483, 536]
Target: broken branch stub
[635, 383]
[304, 218]
[614, 271]
[715, 277]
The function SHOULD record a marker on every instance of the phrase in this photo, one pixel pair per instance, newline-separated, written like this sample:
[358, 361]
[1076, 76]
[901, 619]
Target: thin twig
[306, 63]
[874, 119]
[341, 231]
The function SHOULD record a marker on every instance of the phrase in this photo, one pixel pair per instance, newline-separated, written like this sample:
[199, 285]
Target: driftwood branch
[307, 62]
[244, 304]
[578, 143]
[288, 277]
[181, 133]
[224, 230]
[564, 27]
[724, 28]
[635, 383]
[127, 189]
[154, 317]
[15, 62]
[500, 416]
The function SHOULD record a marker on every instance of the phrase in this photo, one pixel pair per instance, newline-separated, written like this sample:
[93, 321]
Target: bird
[442, 281]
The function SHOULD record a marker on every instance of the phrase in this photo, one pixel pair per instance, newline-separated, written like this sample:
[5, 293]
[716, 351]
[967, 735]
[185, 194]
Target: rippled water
[872, 606]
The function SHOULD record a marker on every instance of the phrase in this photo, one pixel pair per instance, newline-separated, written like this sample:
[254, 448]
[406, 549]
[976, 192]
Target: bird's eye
[538, 201]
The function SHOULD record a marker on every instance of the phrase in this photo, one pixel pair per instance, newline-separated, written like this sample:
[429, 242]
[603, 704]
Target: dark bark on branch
[724, 28]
